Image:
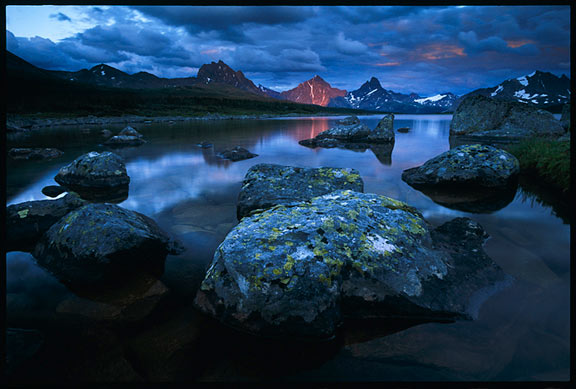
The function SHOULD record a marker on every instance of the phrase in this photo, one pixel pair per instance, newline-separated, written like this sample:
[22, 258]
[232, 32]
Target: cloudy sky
[426, 50]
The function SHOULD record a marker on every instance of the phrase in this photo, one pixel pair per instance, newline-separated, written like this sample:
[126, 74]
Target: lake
[520, 333]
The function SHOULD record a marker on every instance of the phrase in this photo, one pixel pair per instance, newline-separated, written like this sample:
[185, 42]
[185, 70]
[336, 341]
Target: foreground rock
[96, 176]
[350, 133]
[466, 166]
[34, 154]
[27, 222]
[236, 154]
[482, 117]
[294, 271]
[266, 185]
[100, 242]
[124, 141]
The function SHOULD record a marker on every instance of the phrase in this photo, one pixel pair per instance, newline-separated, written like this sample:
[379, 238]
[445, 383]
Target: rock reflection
[472, 200]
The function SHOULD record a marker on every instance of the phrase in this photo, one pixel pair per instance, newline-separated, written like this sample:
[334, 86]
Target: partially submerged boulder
[124, 141]
[34, 153]
[295, 270]
[27, 222]
[466, 166]
[96, 176]
[350, 133]
[266, 185]
[236, 154]
[130, 131]
[478, 116]
[99, 242]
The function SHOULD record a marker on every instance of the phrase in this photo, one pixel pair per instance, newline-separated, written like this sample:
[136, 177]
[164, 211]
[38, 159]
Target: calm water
[521, 333]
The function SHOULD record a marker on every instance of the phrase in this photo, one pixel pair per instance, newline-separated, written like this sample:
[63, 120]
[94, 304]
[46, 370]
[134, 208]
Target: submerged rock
[479, 116]
[129, 131]
[98, 242]
[403, 130]
[124, 141]
[35, 153]
[266, 185]
[236, 154]
[466, 166]
[96, 176]
[295, 270]
[27, 222]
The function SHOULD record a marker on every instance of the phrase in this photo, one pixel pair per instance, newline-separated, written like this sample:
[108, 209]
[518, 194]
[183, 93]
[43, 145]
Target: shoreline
[20, 123]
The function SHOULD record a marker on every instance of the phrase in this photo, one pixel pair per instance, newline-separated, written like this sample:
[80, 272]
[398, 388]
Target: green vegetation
[548, 159]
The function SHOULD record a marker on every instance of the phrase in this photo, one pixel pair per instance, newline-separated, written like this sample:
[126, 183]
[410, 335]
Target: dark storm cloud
[427, 50]
[61, 17]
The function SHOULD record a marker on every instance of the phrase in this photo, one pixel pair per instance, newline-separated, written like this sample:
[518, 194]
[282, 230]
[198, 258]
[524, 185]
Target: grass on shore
[548, 159]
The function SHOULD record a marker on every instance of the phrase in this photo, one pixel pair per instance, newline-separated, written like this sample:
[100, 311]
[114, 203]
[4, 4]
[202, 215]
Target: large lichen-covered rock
[480, 116]
[384, 131]
[95, 174]
[266, 185]
[27, 222]
[466, 166]
[99, 242]
[294, 271]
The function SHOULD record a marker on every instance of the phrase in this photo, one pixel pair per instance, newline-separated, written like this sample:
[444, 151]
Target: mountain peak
[314, 91]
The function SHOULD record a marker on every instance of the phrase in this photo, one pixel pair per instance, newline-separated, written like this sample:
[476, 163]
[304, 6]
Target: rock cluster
[127, 137]
[297, 268]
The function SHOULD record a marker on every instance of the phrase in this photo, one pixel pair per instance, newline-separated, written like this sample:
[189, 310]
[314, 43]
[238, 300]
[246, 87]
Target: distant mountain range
[539, 88]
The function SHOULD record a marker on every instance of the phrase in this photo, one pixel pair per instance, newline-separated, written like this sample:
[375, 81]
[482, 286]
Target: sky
[421, 49]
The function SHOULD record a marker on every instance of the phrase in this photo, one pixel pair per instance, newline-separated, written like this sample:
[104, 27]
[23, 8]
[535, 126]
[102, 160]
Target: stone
[101, 242]
[403, 130]
[53, 190]
[129, 131]
[27, 222]
[479, 116]
[96, 176]
[296, 270]
[124, 141]
[106, 133]
[266, 185]
[384, 131]
[466, 166]
[347, 129]
[236, 154]
[34, 153]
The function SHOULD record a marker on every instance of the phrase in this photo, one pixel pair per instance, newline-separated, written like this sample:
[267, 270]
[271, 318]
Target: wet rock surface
[479, 116]
[266, 185]
[34, 153]
[467, 166]
[130, 131]
[236, 154]
[295, 270]
[96, 175]
[350, 133]
[27, 222]
[100, 242]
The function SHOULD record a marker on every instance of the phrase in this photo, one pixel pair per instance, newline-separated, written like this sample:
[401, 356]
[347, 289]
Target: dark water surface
[520, 334]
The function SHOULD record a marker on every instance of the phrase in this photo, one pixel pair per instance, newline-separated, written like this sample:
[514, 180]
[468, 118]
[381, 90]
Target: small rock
[124, 141]
[106, 133]
[236, 154]
[129, 131]
[403, 130]
[204, 144]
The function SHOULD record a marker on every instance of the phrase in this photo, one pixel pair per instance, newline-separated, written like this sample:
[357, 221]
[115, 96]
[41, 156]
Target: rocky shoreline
[18, 123]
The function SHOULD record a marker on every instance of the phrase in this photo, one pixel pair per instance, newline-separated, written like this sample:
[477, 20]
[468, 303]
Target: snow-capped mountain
[372, 96]
[314, 91]
[542, 89]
